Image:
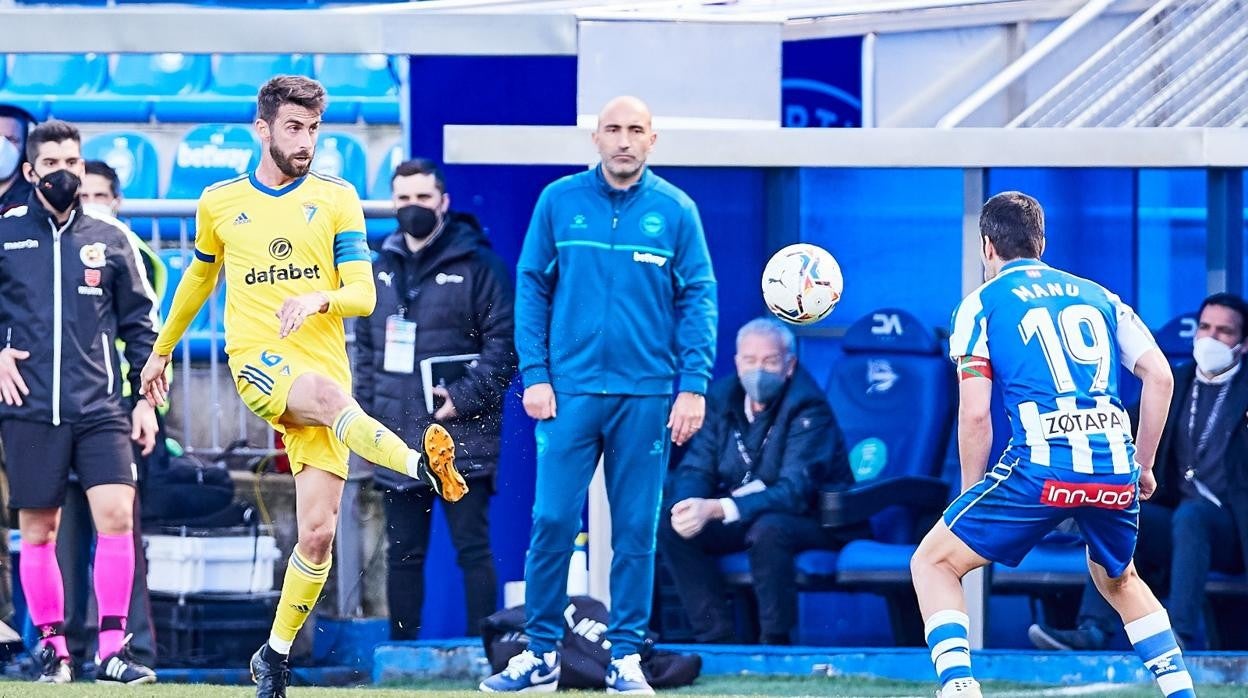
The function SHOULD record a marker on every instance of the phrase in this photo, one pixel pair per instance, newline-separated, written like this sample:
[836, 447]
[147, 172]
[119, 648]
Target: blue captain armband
[349, 246]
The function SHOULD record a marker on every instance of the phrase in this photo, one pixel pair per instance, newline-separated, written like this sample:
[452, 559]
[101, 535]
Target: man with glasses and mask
[1198, 519]
[749, 483]
[441, 291]
[71, 284]
[14, 124]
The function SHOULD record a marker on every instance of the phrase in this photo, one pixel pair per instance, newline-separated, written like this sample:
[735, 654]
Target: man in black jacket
[1198, 518]
[749, 482]
[71, 284]
[441, 291]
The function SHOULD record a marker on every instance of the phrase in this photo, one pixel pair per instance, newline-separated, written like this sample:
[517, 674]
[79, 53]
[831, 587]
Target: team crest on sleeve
[92, 255]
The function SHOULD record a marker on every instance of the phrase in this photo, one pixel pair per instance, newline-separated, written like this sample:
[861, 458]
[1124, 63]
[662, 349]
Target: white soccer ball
[802, 283]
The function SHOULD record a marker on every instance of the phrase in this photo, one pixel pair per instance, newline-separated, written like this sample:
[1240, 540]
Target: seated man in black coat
[749, 482]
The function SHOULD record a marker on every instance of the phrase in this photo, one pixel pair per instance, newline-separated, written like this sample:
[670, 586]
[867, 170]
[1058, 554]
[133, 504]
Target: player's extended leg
[44, 590]
[1148, 628]
[315, 400]
[937, 568]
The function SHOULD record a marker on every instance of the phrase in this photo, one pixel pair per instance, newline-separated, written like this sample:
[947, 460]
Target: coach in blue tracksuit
[615, 310]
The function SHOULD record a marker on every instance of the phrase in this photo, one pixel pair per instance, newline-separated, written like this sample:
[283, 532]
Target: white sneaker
[624, 675]
[526, 673]
[962, 688]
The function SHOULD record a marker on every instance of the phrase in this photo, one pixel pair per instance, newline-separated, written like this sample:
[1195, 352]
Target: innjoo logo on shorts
[1068, 495]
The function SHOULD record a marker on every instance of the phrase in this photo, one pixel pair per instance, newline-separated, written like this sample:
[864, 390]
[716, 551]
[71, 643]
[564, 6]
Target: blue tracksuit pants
[630, 432]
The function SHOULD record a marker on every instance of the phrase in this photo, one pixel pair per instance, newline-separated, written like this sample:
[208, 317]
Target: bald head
[624, 138]
[624, 109]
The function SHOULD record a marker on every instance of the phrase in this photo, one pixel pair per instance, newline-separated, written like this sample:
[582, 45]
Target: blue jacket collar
[647, 179]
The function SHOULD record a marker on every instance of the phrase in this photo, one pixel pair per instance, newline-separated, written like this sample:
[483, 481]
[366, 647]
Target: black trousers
[772, 540]
[74, 542]
[409, 516]
[1207, 540]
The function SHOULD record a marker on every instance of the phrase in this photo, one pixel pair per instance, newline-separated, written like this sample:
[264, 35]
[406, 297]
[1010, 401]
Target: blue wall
[896, 234]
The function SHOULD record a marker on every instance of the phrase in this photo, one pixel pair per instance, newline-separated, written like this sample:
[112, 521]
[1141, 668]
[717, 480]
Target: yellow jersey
[277, 244]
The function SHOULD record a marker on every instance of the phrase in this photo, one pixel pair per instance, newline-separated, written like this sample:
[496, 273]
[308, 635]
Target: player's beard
[286, 164]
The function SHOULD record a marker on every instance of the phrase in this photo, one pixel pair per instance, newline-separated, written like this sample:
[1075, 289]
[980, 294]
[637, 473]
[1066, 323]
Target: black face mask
[417, 221]
[59, 189]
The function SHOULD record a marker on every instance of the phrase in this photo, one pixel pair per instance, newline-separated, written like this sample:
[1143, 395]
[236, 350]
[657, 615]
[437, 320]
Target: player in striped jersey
[1054, 343]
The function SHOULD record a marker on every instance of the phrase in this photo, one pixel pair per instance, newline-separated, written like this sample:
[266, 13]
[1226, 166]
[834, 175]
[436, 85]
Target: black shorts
[38, 457]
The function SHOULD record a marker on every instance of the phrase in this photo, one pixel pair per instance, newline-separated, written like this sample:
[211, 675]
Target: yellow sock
[300, 590]
[370, 440]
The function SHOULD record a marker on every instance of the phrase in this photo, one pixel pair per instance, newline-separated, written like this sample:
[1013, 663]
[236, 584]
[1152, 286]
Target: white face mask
[1212, 357]
[9, 159]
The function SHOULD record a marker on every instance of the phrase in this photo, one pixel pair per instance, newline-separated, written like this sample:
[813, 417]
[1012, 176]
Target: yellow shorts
[263, 379]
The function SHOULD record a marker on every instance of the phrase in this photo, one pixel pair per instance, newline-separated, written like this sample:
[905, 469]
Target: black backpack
[583, 658]
[185, 491]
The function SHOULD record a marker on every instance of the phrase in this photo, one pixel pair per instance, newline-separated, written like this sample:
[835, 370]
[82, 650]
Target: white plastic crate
[184, 564]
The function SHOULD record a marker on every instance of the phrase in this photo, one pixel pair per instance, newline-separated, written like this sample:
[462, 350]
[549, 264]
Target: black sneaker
[271, 679]
[121, 667]
[54, 669]
[1085, 637]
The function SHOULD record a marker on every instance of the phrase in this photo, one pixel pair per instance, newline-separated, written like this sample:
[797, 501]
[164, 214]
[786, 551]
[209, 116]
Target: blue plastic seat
[199, 336]
[35, 80]
[135, 81]
[231, 94]
[1175, 337]
[381, 180]
[363, 85]
[378, 229]
[133, 156]
[815, 568]
[894, 396]
[342, 155]
[210, 153]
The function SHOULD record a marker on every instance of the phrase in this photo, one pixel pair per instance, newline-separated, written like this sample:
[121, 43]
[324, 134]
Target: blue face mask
[762, 386]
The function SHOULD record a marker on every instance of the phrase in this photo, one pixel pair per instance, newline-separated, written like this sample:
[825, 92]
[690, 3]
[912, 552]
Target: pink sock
[114, 577]
[45, 592]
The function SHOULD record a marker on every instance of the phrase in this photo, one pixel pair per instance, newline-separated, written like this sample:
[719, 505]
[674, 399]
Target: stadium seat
[379, 228]
[208, 154]
[342, 155]
[200, 333]
[133, 155]
[381, 180]
[35, 80]
[1175, 338]
[359, 86]
[893, 393]
[134, 82]
[231, 94]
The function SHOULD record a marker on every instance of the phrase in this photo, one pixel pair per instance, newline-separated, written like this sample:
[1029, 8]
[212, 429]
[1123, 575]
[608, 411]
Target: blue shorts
[1004, 516]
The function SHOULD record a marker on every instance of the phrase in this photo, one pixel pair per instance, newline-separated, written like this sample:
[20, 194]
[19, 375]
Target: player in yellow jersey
[292, 244]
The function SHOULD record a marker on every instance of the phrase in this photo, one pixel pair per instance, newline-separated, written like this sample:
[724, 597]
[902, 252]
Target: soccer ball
[802, 283]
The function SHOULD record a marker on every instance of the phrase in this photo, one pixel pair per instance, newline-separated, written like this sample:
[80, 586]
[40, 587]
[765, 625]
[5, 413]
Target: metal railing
[1180, 63]
[203, 407]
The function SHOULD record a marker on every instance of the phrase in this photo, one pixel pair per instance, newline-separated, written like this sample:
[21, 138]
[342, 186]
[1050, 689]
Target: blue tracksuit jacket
[615, 294]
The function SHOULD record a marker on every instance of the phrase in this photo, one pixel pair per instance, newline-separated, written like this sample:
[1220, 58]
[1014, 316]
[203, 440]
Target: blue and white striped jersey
[1055, 342]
